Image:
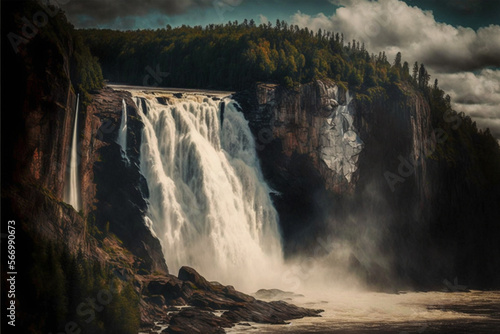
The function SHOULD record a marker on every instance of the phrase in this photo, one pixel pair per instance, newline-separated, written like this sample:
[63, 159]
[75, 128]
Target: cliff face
[322, 121]
[335, 162]
[393, 192]
[53, 240]
[316, 121]
[374, 174]
[41, 101]
[309, 148]
[399, 137]
[44, 104]
[116, 190]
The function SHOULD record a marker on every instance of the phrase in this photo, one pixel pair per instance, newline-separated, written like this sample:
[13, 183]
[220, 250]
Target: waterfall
[72, 191]
[122, 134]
[209, 204]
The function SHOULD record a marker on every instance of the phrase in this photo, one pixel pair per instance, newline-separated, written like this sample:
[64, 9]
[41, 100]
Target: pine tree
[405, 71]
[397, 60]
[423, 77]
[415, 72]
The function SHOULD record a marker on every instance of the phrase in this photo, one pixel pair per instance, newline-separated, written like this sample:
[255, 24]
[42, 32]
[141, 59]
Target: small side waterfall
[122, 134]
[72, 191]
[209, 204]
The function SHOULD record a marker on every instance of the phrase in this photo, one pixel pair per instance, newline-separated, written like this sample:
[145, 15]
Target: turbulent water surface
[369, 312]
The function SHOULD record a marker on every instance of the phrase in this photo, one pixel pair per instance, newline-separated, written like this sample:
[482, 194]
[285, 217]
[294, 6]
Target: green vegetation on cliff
[234, 56]
[70, 291]
[42, 31]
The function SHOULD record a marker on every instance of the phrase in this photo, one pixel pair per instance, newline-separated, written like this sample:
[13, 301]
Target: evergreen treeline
[234, 55]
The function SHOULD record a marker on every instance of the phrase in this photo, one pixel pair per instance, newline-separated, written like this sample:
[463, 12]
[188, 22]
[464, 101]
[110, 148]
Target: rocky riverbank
[190, 304]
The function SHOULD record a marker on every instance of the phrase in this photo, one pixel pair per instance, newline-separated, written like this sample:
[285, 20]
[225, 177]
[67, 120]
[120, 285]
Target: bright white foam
[122, 133]
[209, 205]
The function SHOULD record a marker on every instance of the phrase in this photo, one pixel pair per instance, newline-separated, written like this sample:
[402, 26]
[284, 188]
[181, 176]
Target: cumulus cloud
[477, 95]
[458, 56]
[263, 19]
[468, 88]
[386, 24]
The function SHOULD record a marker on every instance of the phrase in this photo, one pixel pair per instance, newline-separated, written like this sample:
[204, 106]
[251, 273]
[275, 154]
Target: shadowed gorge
[236, 178]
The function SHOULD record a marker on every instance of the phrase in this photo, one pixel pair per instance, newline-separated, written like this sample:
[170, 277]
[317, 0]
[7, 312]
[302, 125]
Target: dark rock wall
[38, 113]
[120, 191]
[403, 226]
[288, 127]
[38, 102]
[397, 132]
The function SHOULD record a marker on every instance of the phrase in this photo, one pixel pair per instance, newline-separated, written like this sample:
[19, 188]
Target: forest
[235, 56]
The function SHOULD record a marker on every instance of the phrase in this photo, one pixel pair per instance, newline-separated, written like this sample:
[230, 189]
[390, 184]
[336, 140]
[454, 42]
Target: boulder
[191, 275]
[194, 320]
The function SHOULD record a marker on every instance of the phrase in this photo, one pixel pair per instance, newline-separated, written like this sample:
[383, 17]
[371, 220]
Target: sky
[457, 40]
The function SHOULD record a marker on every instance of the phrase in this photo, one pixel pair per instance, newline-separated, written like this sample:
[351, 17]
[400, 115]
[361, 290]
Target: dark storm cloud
[92, 12]
[470, 13]
[467, 50]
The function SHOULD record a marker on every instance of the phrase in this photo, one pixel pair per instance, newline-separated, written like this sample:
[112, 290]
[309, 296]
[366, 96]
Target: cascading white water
[208, 203]
[122, 134]
[72, 191]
